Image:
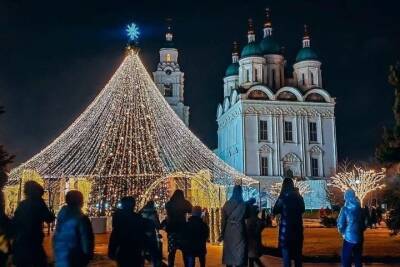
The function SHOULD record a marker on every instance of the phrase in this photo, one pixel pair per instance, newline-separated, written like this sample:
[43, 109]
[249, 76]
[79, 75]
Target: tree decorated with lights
[274, 190]
[360, 180]
[5, 160]
[127, 140]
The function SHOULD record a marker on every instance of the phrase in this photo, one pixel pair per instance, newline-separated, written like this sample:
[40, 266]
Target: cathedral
[170, 79]
[273, 125]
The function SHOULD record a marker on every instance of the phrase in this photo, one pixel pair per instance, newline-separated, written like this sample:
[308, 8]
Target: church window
[255, 75]
[247, 75]
[168, 57]
[273, 79]
[312, 78]
[263, 130]
[303, 78]
[288, 131]
[314, 167]
[168, 90]
[263, 166]
[312, 131]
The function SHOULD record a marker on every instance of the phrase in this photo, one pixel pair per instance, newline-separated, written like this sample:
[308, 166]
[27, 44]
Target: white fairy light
[274, 190]
[125, 140]
[360, 180]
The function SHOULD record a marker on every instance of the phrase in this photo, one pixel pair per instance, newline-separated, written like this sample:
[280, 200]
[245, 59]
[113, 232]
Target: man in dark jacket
[177, 208]
[27, 223]
[195, 237]
[128, 236]
[73, 240]
[290, 205]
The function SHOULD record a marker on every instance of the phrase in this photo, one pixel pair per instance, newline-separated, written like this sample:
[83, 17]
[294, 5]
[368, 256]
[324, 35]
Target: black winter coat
[195, 237]
[127, 239]
[291, 208]
[176, 215]
[28, 231]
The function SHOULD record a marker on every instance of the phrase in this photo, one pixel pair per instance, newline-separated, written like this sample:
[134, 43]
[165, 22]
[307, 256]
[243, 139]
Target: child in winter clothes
[196, 233]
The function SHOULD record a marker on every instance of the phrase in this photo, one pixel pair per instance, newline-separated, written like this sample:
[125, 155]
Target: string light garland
[360, 180]
[274, 190]
[127, 139]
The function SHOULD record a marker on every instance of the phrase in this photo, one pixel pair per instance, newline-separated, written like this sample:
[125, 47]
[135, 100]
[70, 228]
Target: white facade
[170, 79]
[271, 126]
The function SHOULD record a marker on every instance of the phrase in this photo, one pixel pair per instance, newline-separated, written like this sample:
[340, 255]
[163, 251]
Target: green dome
[268, 46]
[232, 69]
[251, 49]
[306, 53]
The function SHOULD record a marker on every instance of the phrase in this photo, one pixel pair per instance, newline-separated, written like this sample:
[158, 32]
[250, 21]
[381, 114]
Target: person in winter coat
[73, 240]
[195, 238]
[177, 208]
[290, 205]
[351, 225]
[27, 225]
[255, 226]
[128, 236]
[153, 246]
[374, 217]
[233, 229]
[367, 216]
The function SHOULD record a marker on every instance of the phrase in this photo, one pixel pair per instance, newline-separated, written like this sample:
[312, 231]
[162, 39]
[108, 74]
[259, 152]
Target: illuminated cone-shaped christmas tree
[127, 139]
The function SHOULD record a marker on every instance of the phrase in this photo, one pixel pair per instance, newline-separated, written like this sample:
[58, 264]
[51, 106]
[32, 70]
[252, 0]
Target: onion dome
[233, 68]
[268, 45]
[306, 53]
[252, 48]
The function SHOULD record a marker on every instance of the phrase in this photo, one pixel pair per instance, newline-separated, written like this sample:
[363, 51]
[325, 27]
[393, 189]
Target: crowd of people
[135, 236]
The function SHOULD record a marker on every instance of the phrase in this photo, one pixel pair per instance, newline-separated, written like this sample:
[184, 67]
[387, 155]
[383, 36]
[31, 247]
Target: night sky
[55, 56]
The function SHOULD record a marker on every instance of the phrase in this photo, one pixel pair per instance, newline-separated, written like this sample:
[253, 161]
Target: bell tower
[169, 78]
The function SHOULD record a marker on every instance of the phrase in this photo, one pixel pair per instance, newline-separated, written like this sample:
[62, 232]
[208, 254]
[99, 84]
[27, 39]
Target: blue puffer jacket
[351, 223]
[73, 241]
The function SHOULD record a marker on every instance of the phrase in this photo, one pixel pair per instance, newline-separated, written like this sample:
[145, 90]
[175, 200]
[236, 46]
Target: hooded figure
[73, 240]
[351, 225]
[233, 231]
[290, 205]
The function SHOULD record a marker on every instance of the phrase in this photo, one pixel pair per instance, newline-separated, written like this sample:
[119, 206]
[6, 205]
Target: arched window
[168, 90]
[255, 75]
[247, 75]
[168, 57]
[303, 78]
[273, 79]
[312, 78]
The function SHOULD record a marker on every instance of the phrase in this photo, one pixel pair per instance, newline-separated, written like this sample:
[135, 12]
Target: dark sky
[55, 56]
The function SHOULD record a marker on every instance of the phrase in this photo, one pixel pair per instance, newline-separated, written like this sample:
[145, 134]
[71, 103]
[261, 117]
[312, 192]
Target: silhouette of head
[128, 203]
[251, 201]
[287, 185]
[196, 211]
[254, 211]
[33, 190]
[351, 198]
[237, 194]
[178, 195]
[150, 205]
[74, 199]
